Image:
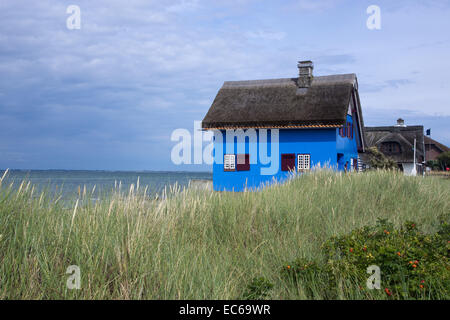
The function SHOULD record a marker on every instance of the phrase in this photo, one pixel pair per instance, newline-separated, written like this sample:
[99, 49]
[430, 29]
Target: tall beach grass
[195, 244]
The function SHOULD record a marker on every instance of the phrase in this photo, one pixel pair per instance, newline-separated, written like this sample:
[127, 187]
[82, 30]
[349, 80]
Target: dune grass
[196, 244]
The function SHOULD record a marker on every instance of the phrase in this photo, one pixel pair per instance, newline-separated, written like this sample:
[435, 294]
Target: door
[340, 161]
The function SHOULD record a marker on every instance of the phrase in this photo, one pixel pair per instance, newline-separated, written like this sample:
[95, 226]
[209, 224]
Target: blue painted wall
[347, 147]
[321, 144]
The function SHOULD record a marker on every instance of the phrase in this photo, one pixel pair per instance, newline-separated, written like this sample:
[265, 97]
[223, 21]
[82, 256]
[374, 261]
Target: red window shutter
[243, 162]
[288, 161]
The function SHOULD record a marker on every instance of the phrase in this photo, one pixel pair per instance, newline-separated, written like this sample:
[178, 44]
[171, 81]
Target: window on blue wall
[229, 162]
[288, 161]
[346, 130]
[349, 130]
[303, 162]
[343, 130]
[243, 162]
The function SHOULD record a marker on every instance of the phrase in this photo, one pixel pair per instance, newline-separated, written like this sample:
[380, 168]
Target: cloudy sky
[109, 95]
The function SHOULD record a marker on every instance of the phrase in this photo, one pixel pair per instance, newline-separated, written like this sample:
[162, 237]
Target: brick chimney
[400, 123]
[305, 73]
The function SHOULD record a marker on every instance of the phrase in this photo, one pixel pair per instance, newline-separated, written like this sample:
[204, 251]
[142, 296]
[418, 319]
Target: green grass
[197, 244]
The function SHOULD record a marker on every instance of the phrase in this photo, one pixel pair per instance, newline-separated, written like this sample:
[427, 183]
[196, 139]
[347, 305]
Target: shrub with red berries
[413, 264]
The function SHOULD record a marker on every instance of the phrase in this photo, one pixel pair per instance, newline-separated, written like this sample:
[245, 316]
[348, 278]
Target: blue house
[264, 129]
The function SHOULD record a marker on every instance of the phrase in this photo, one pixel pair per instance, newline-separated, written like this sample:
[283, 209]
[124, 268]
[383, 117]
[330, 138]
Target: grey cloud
[377, 87]
[336, 59]
[107, 95]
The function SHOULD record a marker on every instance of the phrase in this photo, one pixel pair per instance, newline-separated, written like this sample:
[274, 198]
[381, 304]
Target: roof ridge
[345, 77]
[239, 83]
[391, 127]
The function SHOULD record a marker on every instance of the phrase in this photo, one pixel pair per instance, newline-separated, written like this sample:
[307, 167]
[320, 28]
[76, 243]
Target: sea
[68, 183]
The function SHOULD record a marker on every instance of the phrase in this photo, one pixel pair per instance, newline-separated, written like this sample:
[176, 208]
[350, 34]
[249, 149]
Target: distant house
[433, 149]
[306, 121]
[397, 142]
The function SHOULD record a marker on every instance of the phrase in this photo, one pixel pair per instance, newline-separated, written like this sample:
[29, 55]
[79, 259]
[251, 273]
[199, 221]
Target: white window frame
[229, 162]
[303, 162]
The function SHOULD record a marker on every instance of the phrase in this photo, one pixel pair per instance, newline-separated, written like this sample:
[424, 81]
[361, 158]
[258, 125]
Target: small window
[303, 162]
[243, 162]
[343, 131]
[288, 162]
[349, 131]
[390, 147]
[346, 130]
[229, 162]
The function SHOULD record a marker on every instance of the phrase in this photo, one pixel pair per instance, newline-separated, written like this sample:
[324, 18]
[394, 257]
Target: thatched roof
[279, 103]
[404, 136]
[437, 144]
